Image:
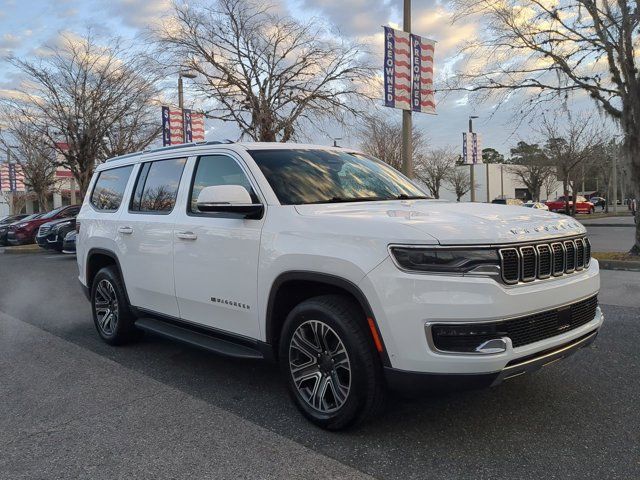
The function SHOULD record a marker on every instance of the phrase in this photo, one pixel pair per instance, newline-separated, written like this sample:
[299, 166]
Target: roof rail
[172, 147]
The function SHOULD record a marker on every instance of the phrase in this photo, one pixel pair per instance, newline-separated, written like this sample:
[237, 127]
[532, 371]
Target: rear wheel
[112, 314]
[333, 373]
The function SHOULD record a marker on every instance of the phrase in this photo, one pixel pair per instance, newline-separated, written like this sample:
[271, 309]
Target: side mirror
[229, 199]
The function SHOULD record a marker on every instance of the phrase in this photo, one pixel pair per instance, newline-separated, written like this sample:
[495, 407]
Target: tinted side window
[157, 186]
[218, 170]
[109, 189]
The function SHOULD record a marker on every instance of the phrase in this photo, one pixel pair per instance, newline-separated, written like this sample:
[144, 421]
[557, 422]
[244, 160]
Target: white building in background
[64, 193]
[495, 180]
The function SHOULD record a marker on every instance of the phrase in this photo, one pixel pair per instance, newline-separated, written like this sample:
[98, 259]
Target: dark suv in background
[51, 235]
[24, 232]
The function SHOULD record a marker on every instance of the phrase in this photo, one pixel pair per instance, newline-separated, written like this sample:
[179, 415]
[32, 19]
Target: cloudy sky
[27, 25]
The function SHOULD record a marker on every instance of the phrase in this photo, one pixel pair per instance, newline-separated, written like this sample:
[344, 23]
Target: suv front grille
[539, 261]
[522, 331]
[43, 230]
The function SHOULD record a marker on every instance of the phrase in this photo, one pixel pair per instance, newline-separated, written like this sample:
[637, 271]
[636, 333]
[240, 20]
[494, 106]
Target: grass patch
[617, 256]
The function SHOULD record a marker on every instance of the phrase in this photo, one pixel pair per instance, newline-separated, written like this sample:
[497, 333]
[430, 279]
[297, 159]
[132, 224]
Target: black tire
[123, 329]
[366, 392]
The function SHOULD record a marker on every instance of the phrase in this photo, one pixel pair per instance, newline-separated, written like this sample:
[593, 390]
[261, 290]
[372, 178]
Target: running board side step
[198, 339]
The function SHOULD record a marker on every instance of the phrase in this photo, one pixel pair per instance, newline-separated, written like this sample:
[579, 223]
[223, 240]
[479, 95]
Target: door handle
[125, 230]
[187, 235]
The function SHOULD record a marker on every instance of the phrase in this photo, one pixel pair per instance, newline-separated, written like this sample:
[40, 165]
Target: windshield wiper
[354, 199]
[403, 196]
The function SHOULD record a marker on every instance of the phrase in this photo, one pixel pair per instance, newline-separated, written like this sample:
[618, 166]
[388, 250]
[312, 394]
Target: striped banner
[422, 99]
[176, 123]
[397, 69]
[11, 178]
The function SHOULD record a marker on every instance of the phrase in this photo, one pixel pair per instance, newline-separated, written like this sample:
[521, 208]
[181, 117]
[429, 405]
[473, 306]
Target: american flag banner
[11, 178]
[397, 69]
[176, 123]
[197, 127]
[422, 99]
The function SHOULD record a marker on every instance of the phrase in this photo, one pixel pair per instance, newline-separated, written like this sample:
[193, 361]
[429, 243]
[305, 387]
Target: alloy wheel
[319, 365]
[106, 307]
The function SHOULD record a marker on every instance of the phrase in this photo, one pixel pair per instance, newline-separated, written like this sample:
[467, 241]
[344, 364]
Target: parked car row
[54, 230]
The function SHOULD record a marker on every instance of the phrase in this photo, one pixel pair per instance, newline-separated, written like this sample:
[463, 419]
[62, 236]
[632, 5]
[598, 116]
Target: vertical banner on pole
[471, 148]
[389, 68]
[197, 127]
[422, 98]
[177, 126]
[188, 132]
[166, 127]
[397, 69]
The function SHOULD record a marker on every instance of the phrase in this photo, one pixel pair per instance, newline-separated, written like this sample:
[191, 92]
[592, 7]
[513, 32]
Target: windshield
[328, 176]
[33, 216]
[52, 213]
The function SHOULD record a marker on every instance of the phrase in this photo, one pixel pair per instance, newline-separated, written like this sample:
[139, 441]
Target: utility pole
[407, 150]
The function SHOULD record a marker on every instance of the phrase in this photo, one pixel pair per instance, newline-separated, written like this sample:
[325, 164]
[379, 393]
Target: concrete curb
[619, 265]
[21, 249]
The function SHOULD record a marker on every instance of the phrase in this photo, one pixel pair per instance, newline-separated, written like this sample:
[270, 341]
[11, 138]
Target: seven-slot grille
[527, 262]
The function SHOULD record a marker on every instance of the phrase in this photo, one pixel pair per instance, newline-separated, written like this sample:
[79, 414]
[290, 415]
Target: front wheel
[332, 370]
[112, 315]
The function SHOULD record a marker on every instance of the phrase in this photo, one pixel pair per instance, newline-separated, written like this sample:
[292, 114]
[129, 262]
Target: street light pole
[181, 75]
[407, 150]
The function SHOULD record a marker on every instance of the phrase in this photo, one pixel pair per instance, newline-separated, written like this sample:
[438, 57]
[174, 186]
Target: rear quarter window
[109, 188]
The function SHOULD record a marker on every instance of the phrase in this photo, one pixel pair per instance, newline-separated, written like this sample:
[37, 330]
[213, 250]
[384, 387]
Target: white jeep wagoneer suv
[336, 266]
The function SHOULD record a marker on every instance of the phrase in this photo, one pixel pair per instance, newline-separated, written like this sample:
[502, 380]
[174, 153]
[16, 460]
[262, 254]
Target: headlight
[446, 260]
[61, 225]
[21, 225]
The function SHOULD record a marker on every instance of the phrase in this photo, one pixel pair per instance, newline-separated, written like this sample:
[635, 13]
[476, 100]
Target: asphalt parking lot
[73, 407]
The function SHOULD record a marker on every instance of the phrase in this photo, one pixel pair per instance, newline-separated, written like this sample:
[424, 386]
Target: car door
[145, 236]
[216, 254]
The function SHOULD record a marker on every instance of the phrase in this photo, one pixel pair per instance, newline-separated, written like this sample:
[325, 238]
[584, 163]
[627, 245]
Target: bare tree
[435, 167]
[460, 182]
[266, 72]
[382, 138]
[569, 147]
[604, 161]
[31, 152]
[530, 165]
[89, 101]
[554, 49]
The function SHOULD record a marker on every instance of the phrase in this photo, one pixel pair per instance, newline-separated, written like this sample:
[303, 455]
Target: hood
[53, 223]
[454, 223]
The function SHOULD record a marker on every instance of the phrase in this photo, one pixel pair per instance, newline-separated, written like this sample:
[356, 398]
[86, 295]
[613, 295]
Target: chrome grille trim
[502, 252]
[541, 260]
[544, 250]
[570, 256]
[528, 272]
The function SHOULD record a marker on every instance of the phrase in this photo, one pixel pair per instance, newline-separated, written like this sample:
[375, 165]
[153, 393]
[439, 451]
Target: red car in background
[582, 205]
[22, 233]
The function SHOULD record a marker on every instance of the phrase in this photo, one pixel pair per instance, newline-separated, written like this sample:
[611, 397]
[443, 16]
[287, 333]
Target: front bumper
[404, 304]
[417, 382]
[19, 238]
[50, 241]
